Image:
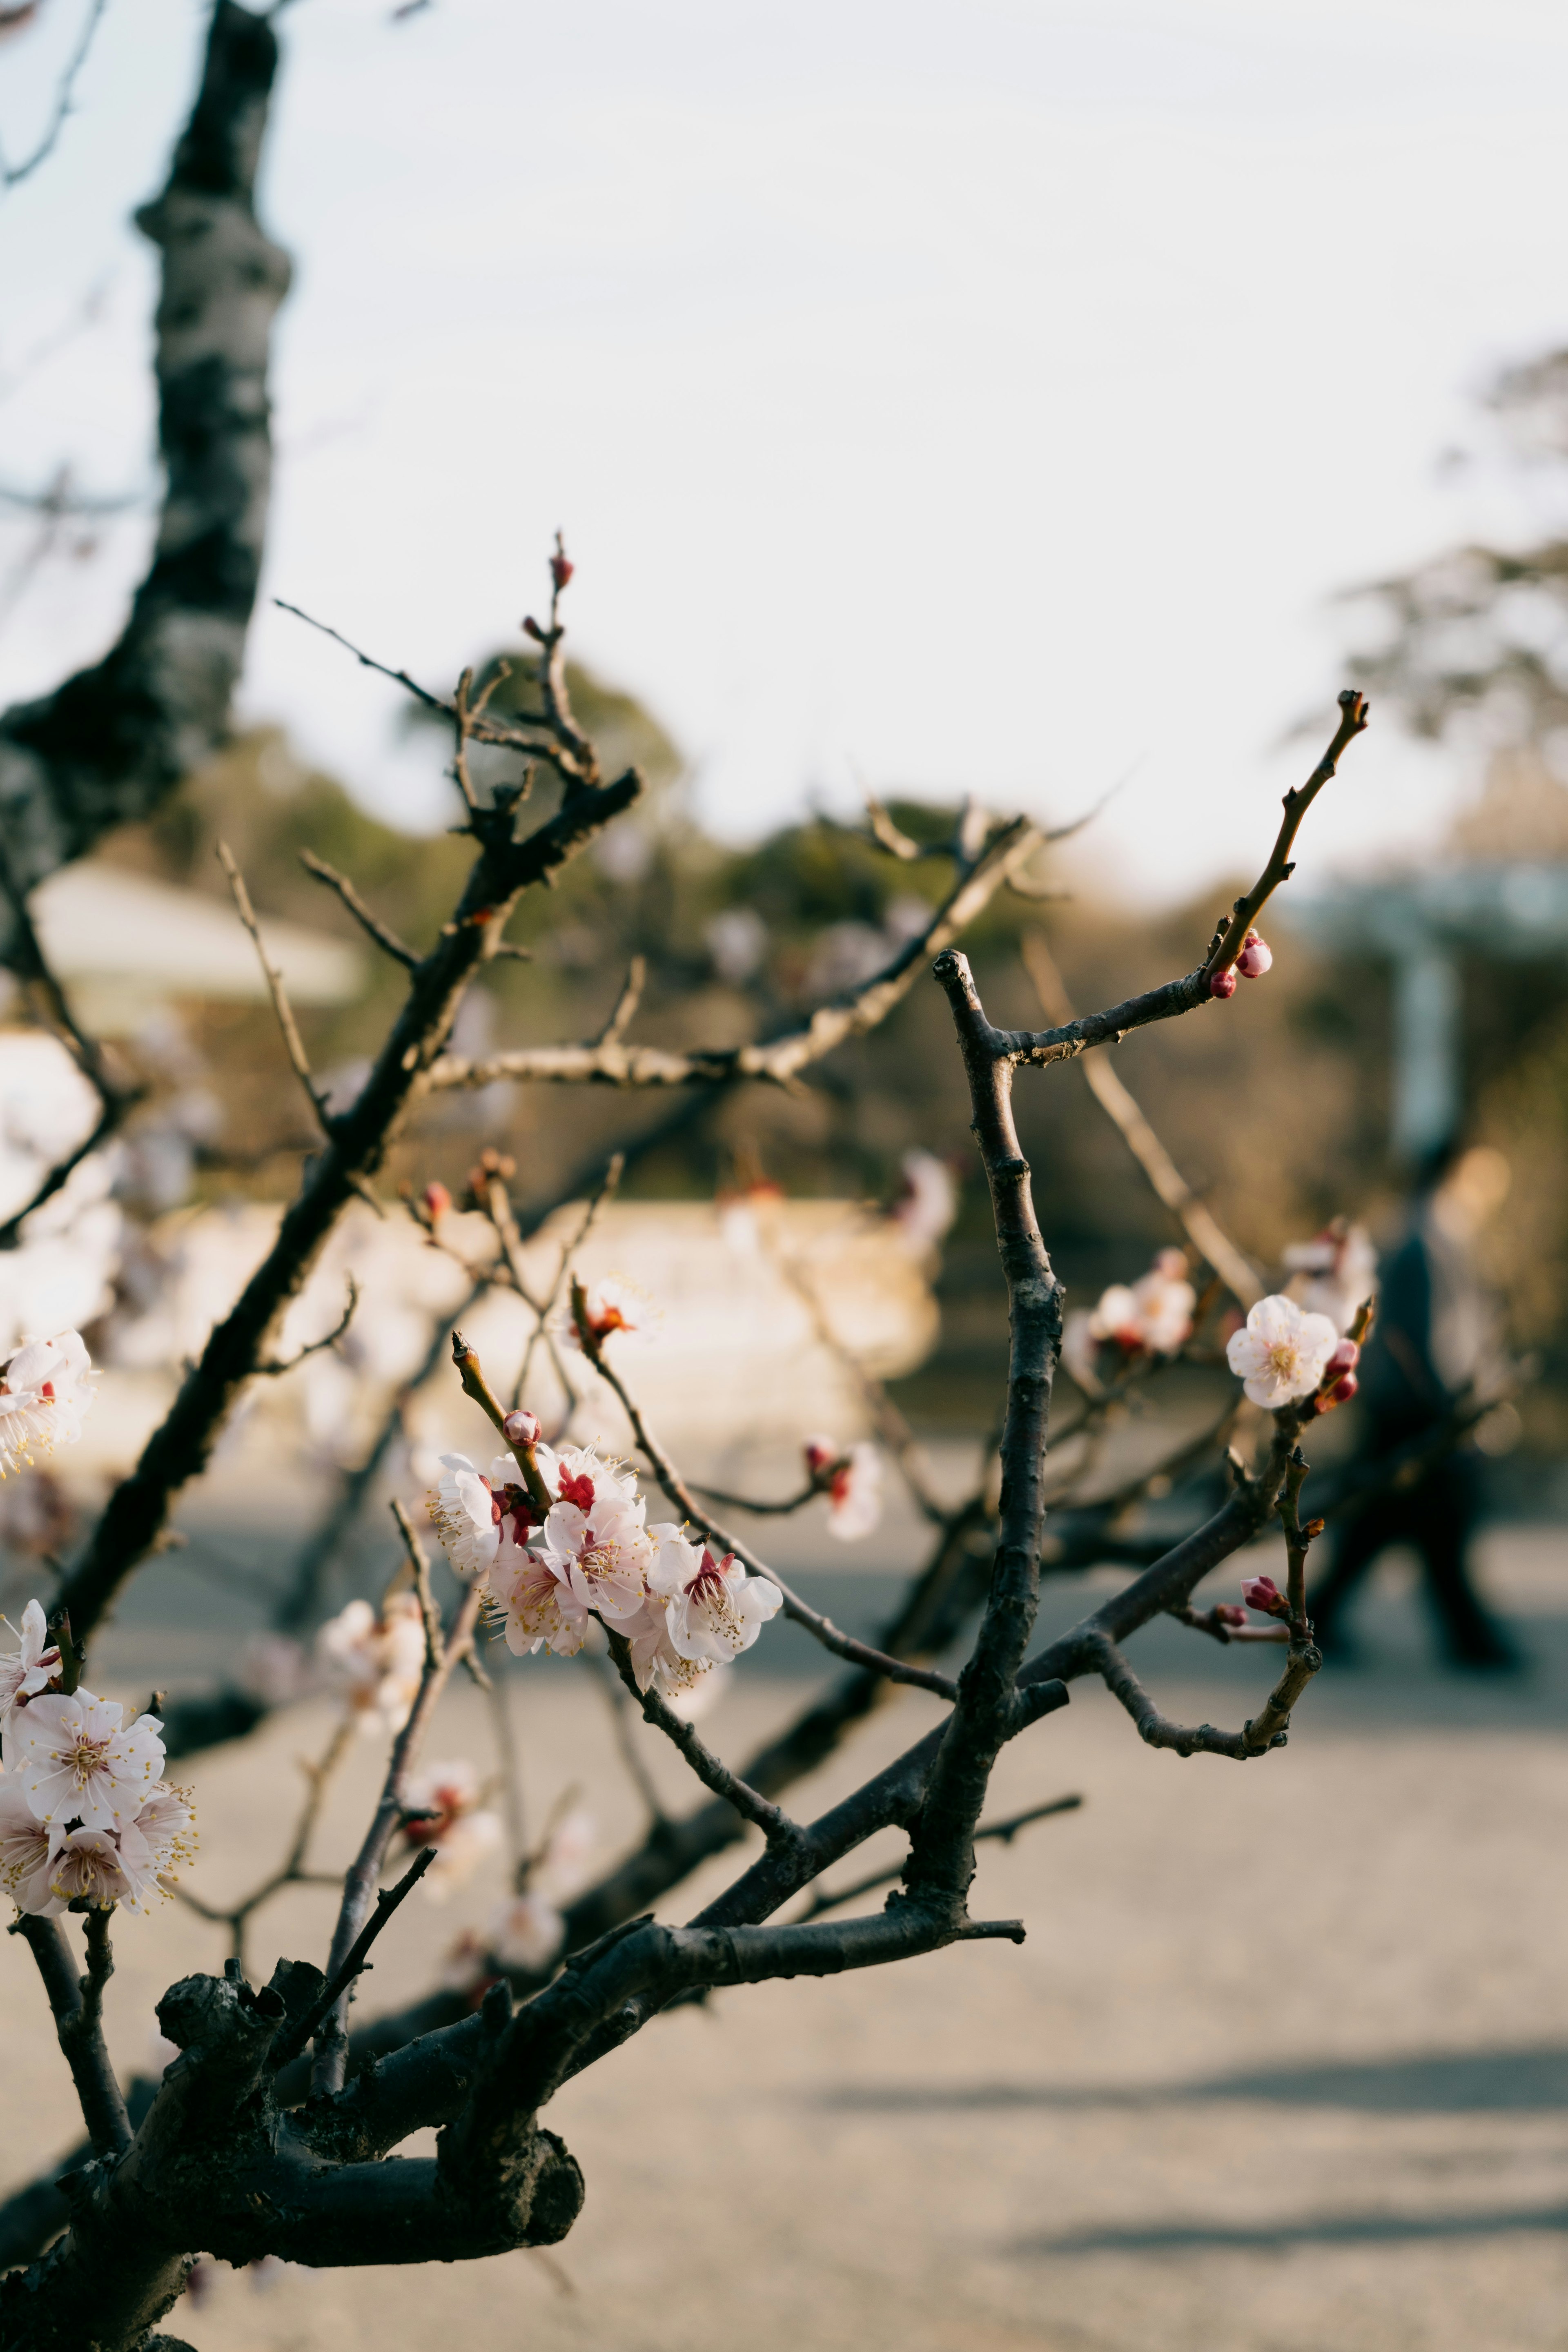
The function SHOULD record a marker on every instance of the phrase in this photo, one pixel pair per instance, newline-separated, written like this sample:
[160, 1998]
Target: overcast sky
[960, 396]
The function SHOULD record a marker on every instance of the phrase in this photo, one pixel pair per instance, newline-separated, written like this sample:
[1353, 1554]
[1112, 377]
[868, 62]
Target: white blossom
[161, 1840]
[87, 1867]
[591, 1556]
[854, 1489]
[928, 1202]
[1281, 1354]
[27, 1853]
[28, 1669]
[79, 1761]
[465, 1513]
[376, 1660]
[1151, 1317]
[527, 1933]
[713, 1609]
[450, 1818]
[613, 1305]
[44, 1393]
[1336, 1272]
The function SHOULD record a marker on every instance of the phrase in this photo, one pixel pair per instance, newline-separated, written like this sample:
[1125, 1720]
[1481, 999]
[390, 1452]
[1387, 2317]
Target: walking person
[1436, 1335]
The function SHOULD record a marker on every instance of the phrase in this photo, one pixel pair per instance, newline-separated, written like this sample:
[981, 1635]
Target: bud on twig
[1222, 984]
[521, 1428]
[1261, 1592]
[1256, 958]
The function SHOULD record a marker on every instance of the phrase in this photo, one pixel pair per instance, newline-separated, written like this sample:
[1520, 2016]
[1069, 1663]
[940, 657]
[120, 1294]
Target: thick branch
[109, 744]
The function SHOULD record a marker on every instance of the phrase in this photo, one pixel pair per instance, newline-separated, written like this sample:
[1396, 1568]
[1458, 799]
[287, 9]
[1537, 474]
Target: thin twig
[381, 933]
[833, 1899]
[775, 1824]
[13, 175]
[1197, 1222]
[355, 1963]
[419, 1564]
[284, 1011]
[273, 1369]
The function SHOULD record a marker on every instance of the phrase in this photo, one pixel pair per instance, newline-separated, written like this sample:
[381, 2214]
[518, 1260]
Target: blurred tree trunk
[111, 742]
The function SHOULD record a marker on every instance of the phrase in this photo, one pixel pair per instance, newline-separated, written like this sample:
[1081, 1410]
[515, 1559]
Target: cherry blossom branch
[1267, 1730]
[76, 2004]
[1202, 1229]
[419, 1568]
[776, 1060]
[385, 937]
[356, 1145]
[843, 1645]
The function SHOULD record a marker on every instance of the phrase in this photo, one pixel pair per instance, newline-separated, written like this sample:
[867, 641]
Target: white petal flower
[853, 1489]
[464, 1513]
[376, 1660]
[928, 1202]
[527, 1933]
[713, 1610]
[87, 1868]
[79, 1761]
[613, 1304]
[26, 1852]
[445, 1799]
[536, 1603]
[44, 1393]
[162, 1839]
[1152, 1316]
[30, 1668]
[1281, 1353]
[1336, 1272]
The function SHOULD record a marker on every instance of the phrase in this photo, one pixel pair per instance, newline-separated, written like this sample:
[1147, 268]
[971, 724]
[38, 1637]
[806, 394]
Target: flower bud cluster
[84, 1816]
[586, 1552]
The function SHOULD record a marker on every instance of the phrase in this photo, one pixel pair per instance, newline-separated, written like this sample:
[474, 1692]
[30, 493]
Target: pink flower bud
[1344, 1389]
[1261, 1592]
[520, 1428]
[531, 628]
[437, 1201]
[560, 569]
[820, 1452]
[1255, 959]
[1345, 1357]
[1228, 1614]
[1222, 984]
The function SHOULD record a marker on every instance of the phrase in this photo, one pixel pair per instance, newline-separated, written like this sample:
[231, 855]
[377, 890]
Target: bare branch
[379, 931]
[772, 1820]
[626, 1003]
[13, 175]
[293, 1043]
[78, 2007]
[419, 1566]
[355, 1963]
[1197, 1223]
[773, 1061]
[835, 1899]
[274, 1370]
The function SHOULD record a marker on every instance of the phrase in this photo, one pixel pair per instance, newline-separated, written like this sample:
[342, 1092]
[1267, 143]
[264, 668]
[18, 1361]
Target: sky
[937, 395]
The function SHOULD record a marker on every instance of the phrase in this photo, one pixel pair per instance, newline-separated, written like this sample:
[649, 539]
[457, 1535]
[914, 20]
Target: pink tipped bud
[1255, 959]
[1345, 1359]
[437, 1201]
[520, 1428]
[531, 628]
[560, 569]
[1228, 1614]
[1344, 1389]
[821, 1453]
[1261, 1592]
[1222, 984]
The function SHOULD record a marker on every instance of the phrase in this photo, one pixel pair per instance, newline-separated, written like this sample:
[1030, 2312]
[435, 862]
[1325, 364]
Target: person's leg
[1444, 1508]
[1355, 1546]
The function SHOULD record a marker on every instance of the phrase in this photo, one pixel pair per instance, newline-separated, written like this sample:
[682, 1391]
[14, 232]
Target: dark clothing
[1434, 1333]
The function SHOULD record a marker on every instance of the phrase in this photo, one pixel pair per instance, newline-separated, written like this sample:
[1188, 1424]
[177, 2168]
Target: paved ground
[1283, 2066]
